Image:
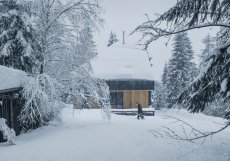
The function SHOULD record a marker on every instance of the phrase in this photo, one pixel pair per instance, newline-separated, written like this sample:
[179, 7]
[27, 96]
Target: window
[116, 99]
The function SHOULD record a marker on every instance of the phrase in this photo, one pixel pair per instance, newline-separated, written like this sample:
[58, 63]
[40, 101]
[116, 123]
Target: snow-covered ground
[85, 136]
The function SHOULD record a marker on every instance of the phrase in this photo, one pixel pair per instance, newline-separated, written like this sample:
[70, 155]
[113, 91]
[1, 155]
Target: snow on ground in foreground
[84, 136]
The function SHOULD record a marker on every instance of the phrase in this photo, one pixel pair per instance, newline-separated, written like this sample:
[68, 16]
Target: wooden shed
[125, 93]
[11, 102]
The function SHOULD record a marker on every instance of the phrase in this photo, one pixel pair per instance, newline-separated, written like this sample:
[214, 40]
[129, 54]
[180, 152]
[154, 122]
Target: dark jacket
[139, 109]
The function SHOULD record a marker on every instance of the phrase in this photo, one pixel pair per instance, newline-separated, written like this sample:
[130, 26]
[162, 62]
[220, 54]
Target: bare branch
[194, 134]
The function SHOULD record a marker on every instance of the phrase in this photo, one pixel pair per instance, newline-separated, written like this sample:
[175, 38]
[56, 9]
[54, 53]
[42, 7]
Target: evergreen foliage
[210, 45]
[180, 69]
[18, 46]
[215, 81]
[159, 96]
[164, 74]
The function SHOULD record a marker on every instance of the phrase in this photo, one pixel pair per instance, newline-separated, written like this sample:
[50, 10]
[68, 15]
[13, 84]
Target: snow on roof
[11, 78]
[122, 62]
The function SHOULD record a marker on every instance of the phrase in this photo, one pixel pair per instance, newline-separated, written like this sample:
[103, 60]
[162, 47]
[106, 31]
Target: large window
[116, 99]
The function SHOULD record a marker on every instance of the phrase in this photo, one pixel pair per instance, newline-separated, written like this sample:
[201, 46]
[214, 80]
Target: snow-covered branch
[40, 101]
[152, 33]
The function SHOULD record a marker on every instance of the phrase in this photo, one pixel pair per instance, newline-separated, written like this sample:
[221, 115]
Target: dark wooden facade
[11, 104]
[126, 93]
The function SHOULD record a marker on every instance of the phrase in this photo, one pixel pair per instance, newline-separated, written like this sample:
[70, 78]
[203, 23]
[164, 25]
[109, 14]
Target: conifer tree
[181, 69]
[194, 14]
[18, 47]
[209, 43]
[164, 75]
[192, 69]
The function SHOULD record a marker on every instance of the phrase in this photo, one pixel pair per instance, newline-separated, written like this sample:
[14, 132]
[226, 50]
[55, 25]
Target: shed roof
[130, 84]
[11, 78]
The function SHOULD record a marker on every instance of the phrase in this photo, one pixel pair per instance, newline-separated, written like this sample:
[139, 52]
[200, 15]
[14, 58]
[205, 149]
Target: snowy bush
[41, 103]
[104, 97]
[94, 92]
[8, 134]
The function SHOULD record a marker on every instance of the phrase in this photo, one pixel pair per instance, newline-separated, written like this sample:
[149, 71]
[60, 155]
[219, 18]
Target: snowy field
[85, 136]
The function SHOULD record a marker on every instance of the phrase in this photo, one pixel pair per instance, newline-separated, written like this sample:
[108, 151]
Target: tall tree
[215, 82]
[180, 70]
[67, 48]
[18, 45]
[159, 96]
[164, 74]
[210, 45]
[60, 23]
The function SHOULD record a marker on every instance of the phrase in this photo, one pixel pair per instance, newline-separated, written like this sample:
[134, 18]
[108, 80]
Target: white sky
[120, 61]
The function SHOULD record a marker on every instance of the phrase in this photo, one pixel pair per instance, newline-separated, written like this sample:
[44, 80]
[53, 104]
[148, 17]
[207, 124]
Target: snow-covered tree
[159, 96]
[112, 39]
[210, 45]
[180, 69]
[164, 80]
[67, 48]
[60, 23]
[18, 45]
[218, 108]
[41, 103]
[194, 14]
[164, 74]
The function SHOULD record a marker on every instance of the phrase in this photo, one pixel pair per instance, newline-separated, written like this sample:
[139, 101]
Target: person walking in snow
[139, 111]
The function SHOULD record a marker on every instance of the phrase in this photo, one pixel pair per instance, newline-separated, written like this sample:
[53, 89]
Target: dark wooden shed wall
[10, 107]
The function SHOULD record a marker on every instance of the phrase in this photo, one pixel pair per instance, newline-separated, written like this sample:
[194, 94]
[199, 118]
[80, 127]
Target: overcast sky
[120, 61]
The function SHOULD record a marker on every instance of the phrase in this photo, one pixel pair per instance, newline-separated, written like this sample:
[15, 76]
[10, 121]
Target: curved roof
[122, 62]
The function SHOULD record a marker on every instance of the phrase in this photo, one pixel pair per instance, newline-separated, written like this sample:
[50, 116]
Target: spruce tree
[192, 69]
[18, 47]
[193, 14]
[209, 43]
[181, 69]
[163, 85]
[164, 75]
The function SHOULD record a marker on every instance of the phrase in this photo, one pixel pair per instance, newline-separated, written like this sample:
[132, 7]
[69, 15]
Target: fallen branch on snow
[190, 133]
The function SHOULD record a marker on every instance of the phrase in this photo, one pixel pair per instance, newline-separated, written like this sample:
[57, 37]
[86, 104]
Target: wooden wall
[131, 97]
